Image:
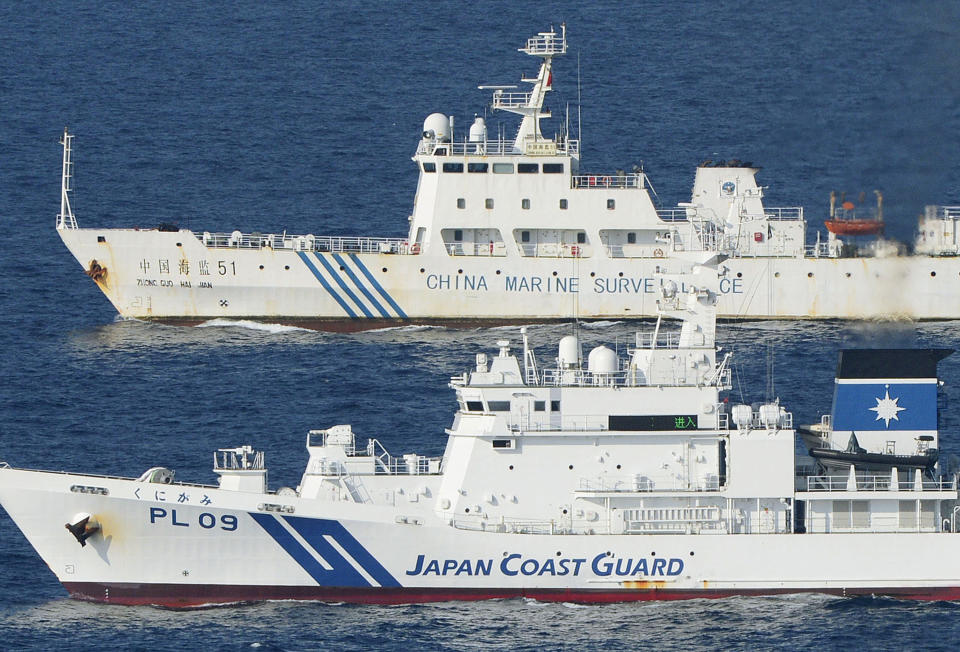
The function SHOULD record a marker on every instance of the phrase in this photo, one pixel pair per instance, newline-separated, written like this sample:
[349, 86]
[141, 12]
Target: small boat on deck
[845, 221]
[862, 459]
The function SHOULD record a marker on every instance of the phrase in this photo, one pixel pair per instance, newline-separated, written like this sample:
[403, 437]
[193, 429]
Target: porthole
[286, 266]
[570, 467]
[933, 274]
[592, 274]
[620, 274]
[809, 274]
[848, 274]
[776, 275]
[739, 274]
[554, 273]
[510, 467]
[384, 270]
[261, 266]
[459, 271]
[498, 272]
[422, 270]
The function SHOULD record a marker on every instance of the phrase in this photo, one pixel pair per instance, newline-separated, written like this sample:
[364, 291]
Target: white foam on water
[252, 325]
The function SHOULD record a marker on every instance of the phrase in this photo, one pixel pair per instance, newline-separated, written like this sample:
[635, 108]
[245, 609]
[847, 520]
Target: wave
[252, 325]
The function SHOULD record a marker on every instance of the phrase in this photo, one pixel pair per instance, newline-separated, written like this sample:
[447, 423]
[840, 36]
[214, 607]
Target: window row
[497, 168]
[525, 203]
[504, 406]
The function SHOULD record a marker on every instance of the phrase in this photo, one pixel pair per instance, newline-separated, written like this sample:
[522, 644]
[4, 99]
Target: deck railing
[877, 483]
[335, 244]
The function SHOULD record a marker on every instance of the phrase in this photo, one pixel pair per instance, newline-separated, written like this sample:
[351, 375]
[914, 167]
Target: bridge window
[525, 203]
[563, 204]
[631, 238]
[474, 406]
[502, 443]
[429, 167]
[528, 168]
[453, 167]
[554, 406]
[458, 235]
[461, 203]
[477, 167]
[581, 237]
[553, 168]
[524, 236]
[488, 203]
[611, 203]
[499, 406]
[539, 406]
[503, 168]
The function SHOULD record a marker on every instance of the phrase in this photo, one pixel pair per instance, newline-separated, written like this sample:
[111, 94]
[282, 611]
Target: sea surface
[303, 117]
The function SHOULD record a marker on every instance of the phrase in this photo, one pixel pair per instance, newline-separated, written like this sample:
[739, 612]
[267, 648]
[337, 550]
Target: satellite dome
[437, 126]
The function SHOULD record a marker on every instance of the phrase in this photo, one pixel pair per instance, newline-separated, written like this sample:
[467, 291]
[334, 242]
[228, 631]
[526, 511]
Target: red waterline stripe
[194, 595]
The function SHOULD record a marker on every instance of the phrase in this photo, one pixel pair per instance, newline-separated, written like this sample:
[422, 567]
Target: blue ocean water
[303, 116]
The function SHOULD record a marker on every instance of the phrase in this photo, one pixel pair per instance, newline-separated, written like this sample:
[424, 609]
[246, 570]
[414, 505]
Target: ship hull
[195, 595]
[190, 545]
[174, 277]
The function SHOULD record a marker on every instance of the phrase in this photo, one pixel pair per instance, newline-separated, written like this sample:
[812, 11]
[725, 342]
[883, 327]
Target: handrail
[604, 181]
[333, 244]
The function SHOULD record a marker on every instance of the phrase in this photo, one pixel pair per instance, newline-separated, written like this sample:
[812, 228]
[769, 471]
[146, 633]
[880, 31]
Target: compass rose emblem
[887, 408]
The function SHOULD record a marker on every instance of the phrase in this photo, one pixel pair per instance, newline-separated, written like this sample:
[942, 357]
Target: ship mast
[530, 104]
[65, 219]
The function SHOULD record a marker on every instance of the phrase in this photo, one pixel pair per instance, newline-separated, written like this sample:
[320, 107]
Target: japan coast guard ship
[513, 230]
[625, 478]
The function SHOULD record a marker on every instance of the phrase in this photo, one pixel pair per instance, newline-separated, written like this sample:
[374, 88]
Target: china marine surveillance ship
[512, 229]
[625, 478]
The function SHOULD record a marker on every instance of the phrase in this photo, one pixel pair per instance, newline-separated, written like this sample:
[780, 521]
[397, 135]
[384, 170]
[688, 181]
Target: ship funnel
[82, 526]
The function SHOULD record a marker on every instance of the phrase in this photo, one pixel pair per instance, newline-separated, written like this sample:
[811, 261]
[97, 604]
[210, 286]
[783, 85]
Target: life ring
[491, 248]
[658, 253]
[591, 181]
[415, 248]
[574, 250]
[606, 181]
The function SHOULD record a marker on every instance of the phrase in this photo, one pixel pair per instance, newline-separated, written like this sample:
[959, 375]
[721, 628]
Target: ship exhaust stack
[82, 526]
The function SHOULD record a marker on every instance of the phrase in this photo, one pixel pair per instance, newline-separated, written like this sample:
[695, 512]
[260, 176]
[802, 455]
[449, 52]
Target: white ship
[511, 229]
[627, 478]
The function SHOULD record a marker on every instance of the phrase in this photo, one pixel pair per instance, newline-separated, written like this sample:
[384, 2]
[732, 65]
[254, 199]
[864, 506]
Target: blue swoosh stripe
[376, 284]
[326, 264]
[343, 573]
[313, 530]
[323, 282]
[363, 288]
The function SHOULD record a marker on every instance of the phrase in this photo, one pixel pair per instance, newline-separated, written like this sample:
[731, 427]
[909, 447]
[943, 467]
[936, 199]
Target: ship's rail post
[65, 218]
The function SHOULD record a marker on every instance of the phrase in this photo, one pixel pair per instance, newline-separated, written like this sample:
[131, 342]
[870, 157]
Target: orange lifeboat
[844, 221]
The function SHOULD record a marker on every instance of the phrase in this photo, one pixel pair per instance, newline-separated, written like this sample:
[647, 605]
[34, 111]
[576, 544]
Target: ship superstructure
[507, 226]
[623, 475]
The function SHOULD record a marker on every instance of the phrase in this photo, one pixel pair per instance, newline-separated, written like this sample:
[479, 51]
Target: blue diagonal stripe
[326, 286]
[313, 531]
[343, 573]
[363, 288]
[326, 264]
[376, 284]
